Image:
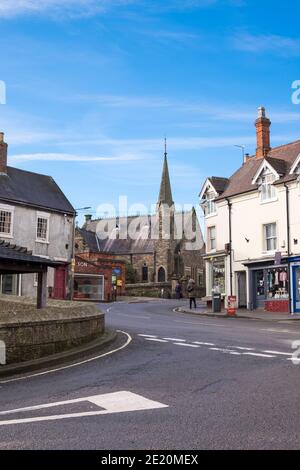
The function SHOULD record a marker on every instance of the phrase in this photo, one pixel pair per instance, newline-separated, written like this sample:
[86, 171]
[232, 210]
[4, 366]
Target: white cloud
[67, 157]
[11, 8]
[261, 43]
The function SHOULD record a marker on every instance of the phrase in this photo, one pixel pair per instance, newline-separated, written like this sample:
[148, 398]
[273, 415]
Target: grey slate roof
[219, 183]
[33, 189]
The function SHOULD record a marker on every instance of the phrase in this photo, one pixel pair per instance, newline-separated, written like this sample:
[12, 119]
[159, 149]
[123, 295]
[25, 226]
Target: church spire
[165, 193]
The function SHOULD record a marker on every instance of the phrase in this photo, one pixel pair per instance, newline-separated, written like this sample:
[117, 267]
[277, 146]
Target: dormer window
[210, 203]
[267, 189]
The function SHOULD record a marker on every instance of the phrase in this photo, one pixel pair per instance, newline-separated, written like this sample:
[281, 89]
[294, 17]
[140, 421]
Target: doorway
[259, 289]
[296, 288]
[242, 289]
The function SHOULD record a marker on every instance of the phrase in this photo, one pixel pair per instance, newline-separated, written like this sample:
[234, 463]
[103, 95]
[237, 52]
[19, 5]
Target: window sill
[45, 242]
[6, 235]
[268, 201]
[211, 215]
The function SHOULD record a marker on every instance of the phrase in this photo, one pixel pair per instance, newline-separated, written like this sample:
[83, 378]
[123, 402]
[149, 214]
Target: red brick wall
[102, 264]
[277, 306]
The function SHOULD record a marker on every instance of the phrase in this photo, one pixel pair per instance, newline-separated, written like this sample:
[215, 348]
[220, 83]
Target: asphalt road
[216, 383]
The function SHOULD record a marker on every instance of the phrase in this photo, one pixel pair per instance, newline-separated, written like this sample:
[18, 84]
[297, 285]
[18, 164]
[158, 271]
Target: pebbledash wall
[35, 339]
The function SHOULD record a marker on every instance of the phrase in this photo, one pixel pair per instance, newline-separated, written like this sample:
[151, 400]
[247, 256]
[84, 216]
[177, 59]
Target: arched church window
[161, 274]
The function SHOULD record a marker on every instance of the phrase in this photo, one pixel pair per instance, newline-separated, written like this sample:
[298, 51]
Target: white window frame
[211, 208]
[11, 209]
[267, 189]
[272, 237]
[209, 230]
[42, 215]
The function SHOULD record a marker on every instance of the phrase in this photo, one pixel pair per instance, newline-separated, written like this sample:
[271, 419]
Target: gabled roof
[280, 158]
[218, 184]
[33, 189]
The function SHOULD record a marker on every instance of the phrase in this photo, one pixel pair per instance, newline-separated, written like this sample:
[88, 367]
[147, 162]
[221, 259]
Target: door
[59, 291]
[242, 289]
[296, 287]
[259, 286]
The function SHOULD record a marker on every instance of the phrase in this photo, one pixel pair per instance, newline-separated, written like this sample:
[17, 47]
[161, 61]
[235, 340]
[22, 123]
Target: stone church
[168, 246]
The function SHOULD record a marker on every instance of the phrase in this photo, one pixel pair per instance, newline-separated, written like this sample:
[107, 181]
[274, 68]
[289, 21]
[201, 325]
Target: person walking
[191, 293]
[178, 291]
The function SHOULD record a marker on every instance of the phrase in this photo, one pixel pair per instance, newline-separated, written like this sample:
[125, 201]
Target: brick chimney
[3, 154]
[262, 125]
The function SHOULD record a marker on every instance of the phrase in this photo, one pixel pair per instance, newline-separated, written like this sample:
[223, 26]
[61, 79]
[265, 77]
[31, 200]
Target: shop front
[295, 273]
[216, 275]
[269, 286]
[89, 287]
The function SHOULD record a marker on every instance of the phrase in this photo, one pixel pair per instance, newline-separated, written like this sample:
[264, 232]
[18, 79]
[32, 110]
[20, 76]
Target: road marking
[156, 339]
[189, 345]
[117, 402]
[278, 352]
[235, 353]
[257, 354]
[203, 344]
[224, 350]
[50, 371]
[148, 336]
[176, 339]
[242, 349]
[271, 330]
[201, 323]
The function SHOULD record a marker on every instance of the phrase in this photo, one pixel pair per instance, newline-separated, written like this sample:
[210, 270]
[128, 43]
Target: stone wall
[55, 330]
[151, 289]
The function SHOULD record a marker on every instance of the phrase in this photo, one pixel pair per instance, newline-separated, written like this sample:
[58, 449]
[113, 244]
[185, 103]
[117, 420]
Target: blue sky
[94, 86]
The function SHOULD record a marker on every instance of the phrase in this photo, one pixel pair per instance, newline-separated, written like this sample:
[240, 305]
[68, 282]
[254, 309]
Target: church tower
[165, 245]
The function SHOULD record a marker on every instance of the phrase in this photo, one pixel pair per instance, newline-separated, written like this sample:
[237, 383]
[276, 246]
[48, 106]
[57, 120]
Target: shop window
[211, 235]
[277, 283]
[89, 287]
[270, 237]
[218, 275]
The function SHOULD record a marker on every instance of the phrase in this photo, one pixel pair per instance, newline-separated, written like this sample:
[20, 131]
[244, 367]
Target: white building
[36, 215]
[253, 227]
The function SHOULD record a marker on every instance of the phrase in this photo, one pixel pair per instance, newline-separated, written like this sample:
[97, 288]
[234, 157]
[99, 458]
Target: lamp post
[71, 285]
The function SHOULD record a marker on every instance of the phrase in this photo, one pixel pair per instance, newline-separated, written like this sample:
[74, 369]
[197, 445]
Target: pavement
[173, 381]
[240, 313]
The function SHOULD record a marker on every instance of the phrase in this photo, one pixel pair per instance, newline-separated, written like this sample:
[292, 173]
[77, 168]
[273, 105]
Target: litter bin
[216, 302]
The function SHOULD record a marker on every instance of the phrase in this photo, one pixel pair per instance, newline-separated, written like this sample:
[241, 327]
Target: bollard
[2, 353]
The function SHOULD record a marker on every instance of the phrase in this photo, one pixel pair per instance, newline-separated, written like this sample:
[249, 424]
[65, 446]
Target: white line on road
[224, 350]
[200, 323]
[118, 402]
[189, 345]
[50, 371]
[256, 354]
[176, 339]
[148, 336]
[241, 348]
[156, 339]
[278, 352]
[203, 344]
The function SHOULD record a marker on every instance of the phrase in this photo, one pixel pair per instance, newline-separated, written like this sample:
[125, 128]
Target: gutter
[288, 230]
